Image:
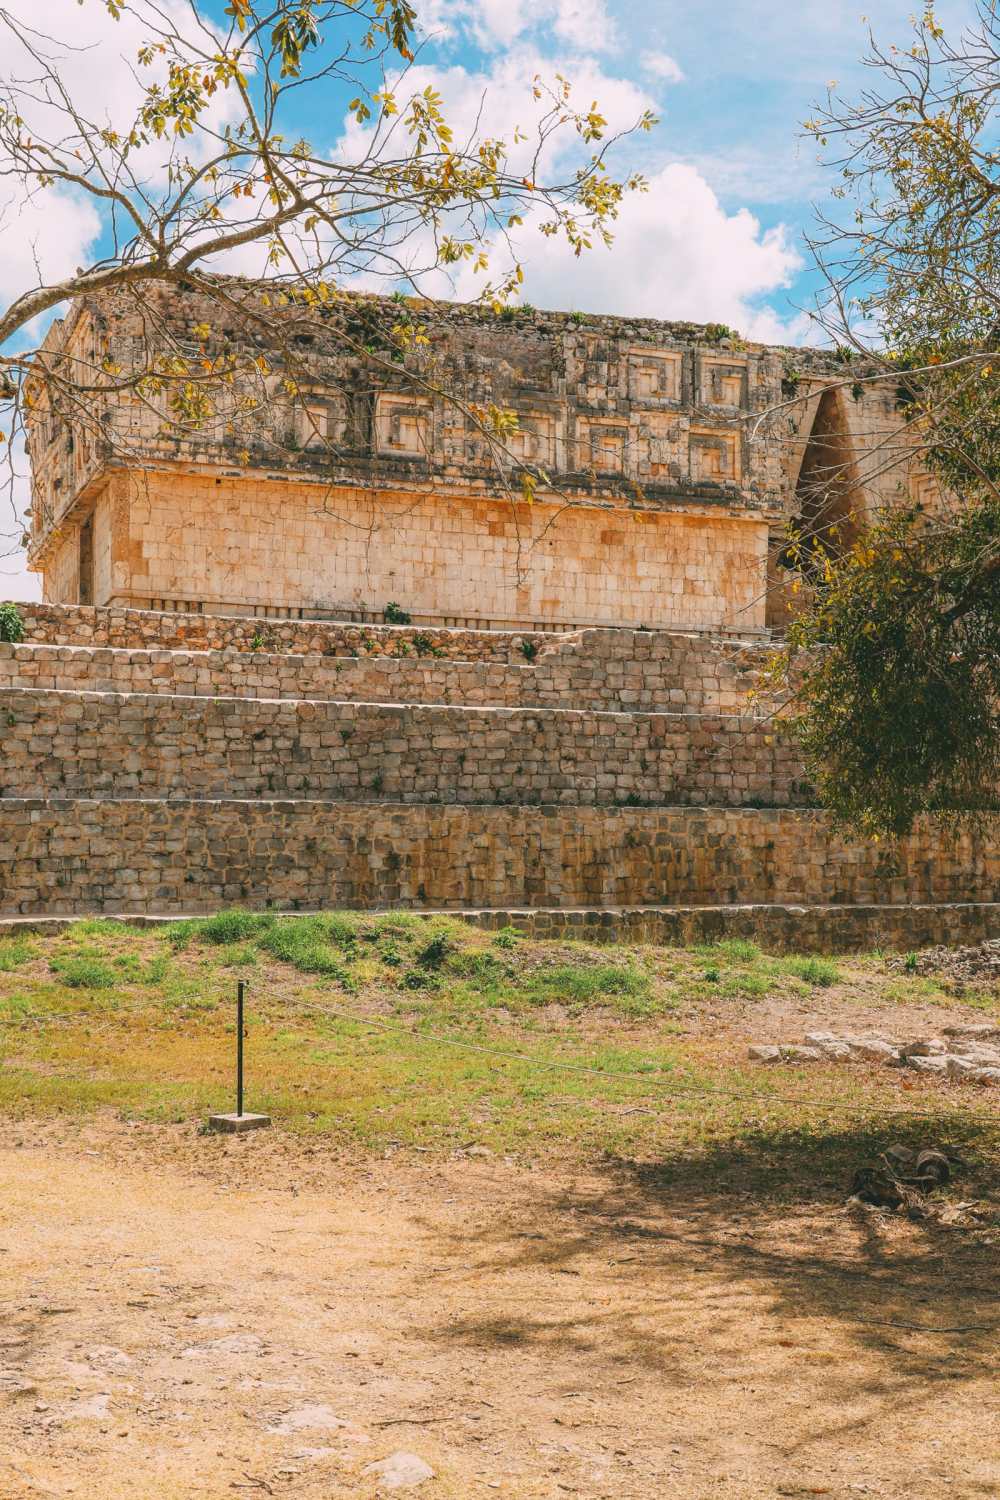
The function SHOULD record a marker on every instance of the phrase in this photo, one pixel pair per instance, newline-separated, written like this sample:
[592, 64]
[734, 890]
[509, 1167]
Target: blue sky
[732, 83]
[720, 236]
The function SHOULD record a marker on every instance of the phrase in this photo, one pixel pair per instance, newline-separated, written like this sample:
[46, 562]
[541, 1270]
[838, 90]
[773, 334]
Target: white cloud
[48, 44]
[676, 254]
[583, 25]
[662, 65]
[15, 580]
[44, 239]
[492, 102]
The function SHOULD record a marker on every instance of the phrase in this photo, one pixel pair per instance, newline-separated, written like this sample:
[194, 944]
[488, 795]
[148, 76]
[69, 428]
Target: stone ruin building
[209, 708]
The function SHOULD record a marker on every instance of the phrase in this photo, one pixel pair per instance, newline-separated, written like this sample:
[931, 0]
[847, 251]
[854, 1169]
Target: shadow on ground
[725, 1265]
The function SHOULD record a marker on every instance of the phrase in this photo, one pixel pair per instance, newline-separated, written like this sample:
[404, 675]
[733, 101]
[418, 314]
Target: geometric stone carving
[661, 446]
[312, 424]
[723, 382]
[715, 456]
[601, 446]
[402, 426]
[655, 376]
[533, 442]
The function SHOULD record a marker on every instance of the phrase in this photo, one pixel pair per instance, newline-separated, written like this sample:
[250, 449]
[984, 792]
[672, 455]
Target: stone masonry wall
[274, 542]
[554, 682]
[74, 856]
[295, 764]
[116, 745]
[612, 669]
[777, 928]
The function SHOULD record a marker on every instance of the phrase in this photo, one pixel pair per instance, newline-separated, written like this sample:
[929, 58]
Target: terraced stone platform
[596, 775]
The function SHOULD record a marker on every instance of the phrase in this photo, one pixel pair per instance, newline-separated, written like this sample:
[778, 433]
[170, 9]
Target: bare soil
[191, 1316]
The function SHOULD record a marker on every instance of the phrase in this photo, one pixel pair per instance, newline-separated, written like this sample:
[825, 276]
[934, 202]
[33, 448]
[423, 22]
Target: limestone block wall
[553, 682]
[611, 669]
[777, 928]
[72, 856]
[70, 625]
[114, 745]
[272, 542]
[301, 763]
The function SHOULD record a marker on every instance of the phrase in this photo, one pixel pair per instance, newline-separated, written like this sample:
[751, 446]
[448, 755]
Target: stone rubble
[969, 1053]
[976, 962]
[400, 1471]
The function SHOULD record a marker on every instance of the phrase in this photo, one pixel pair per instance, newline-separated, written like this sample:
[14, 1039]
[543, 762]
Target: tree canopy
[206, 159]
[897, 699]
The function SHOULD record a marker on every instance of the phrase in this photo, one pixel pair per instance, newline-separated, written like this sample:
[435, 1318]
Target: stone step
[69, 856]
[111, 625]
[797, 929]
[135, 745]
[556, 680]
[596, 667]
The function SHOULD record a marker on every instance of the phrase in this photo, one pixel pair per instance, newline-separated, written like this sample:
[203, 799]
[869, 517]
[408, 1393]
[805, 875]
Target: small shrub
[422, 643]
[821, 972]
[433, 954]
[417, 979]
[82, 973]
[232, 926]
[237, 956]
[507, 937]
[11, 623]
[395, 614]
[711, 976]
[13, 953]
[910, 963]
[529, 650]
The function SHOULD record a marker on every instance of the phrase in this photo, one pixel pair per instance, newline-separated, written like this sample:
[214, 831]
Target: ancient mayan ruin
[209, 707]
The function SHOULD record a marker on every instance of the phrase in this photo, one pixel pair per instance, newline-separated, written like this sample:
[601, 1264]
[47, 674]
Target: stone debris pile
[970, 1054]
[971, 964]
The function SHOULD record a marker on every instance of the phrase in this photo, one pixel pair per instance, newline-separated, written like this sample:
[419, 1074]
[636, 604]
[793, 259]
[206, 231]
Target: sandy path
[186, 1317]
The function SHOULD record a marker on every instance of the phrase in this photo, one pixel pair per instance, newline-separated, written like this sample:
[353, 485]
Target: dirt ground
[189, 1316]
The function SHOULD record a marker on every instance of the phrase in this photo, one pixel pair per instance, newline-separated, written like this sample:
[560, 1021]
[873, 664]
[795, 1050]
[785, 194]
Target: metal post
[239, 1121]
[239, 1048]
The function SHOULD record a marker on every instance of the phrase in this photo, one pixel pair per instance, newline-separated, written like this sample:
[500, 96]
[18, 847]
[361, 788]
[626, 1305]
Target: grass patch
[238, 956]
[14, 953]
[15, 1009]
[578, 987]
[82, 971]
[228, 927]
[303, 944]
[394, 1027]
[812, 969]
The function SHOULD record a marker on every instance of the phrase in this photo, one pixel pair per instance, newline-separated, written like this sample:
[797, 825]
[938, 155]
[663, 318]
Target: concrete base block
[237, 1124]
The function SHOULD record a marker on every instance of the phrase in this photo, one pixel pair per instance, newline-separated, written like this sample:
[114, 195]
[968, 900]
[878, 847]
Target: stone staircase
[609, 782]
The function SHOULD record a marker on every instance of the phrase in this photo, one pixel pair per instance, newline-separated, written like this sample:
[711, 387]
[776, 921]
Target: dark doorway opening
[828, 500]
[85, 590]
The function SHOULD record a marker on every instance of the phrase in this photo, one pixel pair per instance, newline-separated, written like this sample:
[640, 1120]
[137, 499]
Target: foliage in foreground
[899, 699]
[899, 709]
